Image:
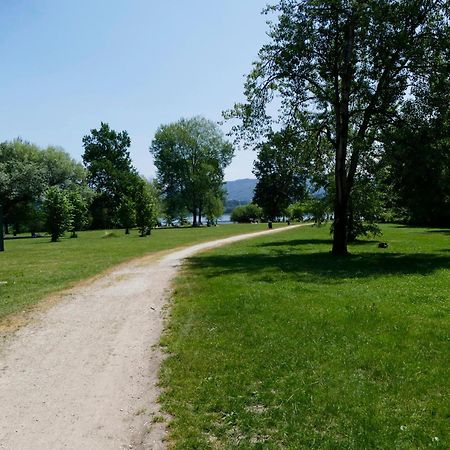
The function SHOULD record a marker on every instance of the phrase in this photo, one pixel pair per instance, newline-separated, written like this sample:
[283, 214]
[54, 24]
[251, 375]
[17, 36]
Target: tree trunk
[127, 231]
[194, 217]
[340, 222]
[342, 100]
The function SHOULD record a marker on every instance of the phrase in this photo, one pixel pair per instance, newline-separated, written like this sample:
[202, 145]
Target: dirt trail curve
[83, 374]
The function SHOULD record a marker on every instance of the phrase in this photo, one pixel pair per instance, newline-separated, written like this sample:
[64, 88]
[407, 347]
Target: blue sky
[136, 64]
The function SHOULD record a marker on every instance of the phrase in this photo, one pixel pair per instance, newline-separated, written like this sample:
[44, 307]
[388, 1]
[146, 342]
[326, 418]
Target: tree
[21, 178]
[190, 156]
[26, 171]
[280, 173]
[58, 212]
[147, 202]
[417, 159]
[127, 214]
[213, 208]
[59, 169]
[111, 173]
[79, 205]
[296, 211]
[340, 69]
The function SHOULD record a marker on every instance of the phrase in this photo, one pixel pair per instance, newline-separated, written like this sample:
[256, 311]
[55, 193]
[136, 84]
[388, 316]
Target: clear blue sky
[136, 64]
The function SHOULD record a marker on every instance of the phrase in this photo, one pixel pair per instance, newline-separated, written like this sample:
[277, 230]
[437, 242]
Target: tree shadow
[299, 242]
[319, 267]
[444, 231]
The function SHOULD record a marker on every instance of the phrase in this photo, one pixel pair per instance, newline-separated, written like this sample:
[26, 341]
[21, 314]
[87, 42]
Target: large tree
[111, 173]
[339, 70]
[416, 164]
[191, 156]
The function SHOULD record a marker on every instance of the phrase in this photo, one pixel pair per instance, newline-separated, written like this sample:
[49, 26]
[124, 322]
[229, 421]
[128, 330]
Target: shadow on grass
[319, 267]
[298, 242]
[444, 231]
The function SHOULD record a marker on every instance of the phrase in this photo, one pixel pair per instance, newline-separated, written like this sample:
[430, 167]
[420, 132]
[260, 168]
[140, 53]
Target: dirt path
[83, 374]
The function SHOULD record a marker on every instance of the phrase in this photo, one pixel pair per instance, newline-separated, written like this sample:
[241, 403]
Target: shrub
[246, 214]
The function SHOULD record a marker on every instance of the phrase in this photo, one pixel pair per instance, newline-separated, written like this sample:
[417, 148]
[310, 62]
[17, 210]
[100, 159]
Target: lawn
[30, 269]
[274, 343]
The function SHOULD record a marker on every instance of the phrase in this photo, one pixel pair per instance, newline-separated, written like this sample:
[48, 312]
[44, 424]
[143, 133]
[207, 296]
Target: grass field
[30, 269]
[273, 343]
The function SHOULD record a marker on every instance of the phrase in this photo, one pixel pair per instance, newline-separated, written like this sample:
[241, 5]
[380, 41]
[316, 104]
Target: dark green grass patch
[32, 268]
[274, 343]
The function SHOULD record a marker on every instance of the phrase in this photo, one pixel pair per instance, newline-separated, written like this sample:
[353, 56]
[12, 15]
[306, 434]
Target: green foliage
[417, 159]
[190, 156]
[273, 343]
[127, 214]
[146, 207]
[26, 172]
[57, 211]
[338, 71]
[79, 205]
[213, 208]
[296, 211]
[317, 209]
[111, 173]
[280, 172]
[250, 213]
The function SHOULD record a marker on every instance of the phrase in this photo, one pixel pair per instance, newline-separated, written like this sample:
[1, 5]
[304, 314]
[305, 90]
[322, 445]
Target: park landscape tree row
[45, 189]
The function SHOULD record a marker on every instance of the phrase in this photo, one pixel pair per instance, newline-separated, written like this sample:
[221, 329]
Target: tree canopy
[190, 156]
[26, 172]
[111, 173]
[338, 71]
[280, 173]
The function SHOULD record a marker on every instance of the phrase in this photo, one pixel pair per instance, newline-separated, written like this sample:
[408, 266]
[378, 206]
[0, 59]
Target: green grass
[274, 343]
[34, 268]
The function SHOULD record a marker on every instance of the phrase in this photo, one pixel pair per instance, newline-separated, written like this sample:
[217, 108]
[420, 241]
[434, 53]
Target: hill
[240, 190]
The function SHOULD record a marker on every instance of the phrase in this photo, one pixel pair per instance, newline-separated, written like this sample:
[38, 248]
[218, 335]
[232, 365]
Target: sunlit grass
[274, 343]
[33, 268]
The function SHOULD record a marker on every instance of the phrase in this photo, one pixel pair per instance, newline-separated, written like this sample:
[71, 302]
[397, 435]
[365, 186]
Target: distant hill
[240, 190]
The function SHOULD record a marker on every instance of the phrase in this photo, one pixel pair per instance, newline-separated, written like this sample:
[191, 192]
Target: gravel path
[83, 374]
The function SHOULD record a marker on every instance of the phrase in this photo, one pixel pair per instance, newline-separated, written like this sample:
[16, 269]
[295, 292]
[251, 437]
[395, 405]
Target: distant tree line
[47, 190]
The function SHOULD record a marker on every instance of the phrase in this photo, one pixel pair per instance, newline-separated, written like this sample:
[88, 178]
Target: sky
[135, 64]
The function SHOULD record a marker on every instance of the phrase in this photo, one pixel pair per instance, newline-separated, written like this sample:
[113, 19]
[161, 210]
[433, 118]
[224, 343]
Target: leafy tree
[127, 214]
[58, 212]
[26, 171]
[79, 205]
[280, 173]
[147, 202]
[417, 159]
[111, 173]
[340, 69]
[21, 178]
[59, 169]
[213, 208]
[190, 156]
[317, 209]
[296, 211]
[246, 214]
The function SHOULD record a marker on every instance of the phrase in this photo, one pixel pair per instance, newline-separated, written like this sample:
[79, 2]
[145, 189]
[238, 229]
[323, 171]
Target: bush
[246, 214]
